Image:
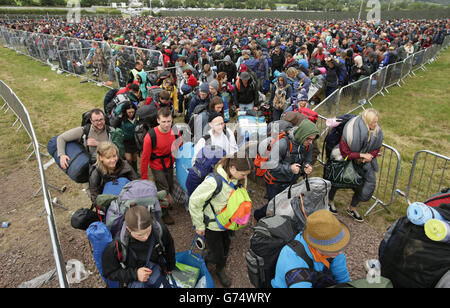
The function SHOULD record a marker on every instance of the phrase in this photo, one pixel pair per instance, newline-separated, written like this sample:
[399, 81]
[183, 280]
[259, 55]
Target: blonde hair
[106, 149]
[292, 72]
[368, 116]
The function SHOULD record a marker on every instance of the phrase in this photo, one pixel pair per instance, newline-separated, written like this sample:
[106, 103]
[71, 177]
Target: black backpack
[335, 134]
[271, 234]
[409, 258]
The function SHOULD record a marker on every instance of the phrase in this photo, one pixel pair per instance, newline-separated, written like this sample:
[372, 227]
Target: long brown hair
[240, 163]
[138, 218]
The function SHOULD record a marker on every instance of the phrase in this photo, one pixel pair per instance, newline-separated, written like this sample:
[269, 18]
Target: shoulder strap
[301, 252]
[152, 134]
[297, 275]
[218, 189]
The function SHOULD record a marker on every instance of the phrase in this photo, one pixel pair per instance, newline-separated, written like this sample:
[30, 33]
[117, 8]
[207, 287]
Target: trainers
[355, 215]
[332, 208]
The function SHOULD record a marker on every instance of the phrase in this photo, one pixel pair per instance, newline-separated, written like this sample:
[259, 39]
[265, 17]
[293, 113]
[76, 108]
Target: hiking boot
[332, 208]
[355, 215]
[166, 218]
[223, 278]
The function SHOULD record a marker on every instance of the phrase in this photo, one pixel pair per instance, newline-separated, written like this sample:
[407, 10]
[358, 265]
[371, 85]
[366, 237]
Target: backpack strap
[153, 156]
[218, 189]
[299, 274]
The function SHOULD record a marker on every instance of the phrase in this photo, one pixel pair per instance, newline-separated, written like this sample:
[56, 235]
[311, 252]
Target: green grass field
[414, 117]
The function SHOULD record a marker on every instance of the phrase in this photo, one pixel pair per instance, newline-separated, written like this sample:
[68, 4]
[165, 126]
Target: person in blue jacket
[322, 262]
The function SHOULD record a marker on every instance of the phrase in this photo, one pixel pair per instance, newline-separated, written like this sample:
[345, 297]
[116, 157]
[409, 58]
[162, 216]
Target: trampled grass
[414, 117]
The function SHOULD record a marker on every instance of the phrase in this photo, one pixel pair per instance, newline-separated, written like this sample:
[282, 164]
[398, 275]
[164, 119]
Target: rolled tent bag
[78, 169]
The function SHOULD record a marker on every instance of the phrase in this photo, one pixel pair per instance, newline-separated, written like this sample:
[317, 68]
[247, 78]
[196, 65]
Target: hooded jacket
[282, 156]
[287, 86]
[229, 68]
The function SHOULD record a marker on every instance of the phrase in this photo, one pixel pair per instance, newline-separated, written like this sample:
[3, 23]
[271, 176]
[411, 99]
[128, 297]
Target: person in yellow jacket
[169, 85]
[232, 170]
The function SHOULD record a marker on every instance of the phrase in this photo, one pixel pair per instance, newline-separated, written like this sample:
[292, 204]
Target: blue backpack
[100, 236]
[114, 187]
[204, 164]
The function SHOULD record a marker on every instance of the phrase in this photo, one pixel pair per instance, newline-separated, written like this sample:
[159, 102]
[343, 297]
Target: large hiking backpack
[437, 199]
[314, 190]
[270, 236]
[334, 136]
[409, 258]
[118, 100]
[137, 192]
[115, 186]
[100, 236]
[280, 227]
[204, 164]
[309, 113]
[267, 145]
[108, 98]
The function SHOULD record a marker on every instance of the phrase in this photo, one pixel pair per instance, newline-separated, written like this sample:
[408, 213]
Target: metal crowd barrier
[13, 103]
[357, 95]
[429, 174]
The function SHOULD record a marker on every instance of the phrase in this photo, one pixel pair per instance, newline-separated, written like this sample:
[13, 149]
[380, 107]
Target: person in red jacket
[159, 145]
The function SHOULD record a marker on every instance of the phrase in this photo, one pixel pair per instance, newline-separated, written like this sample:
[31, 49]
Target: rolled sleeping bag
[78, 169]
[437, 230]
[419, 213]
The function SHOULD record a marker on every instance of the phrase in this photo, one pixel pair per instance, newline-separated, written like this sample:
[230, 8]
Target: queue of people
[223, 74]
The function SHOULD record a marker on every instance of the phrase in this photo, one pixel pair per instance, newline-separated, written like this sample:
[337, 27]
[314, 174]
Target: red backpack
[310, 114]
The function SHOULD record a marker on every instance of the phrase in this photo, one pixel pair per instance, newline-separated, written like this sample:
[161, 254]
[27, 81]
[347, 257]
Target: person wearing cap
[321, 245]
[245, 93]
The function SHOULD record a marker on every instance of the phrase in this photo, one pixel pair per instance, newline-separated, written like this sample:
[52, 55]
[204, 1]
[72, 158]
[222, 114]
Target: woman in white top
[217, 135]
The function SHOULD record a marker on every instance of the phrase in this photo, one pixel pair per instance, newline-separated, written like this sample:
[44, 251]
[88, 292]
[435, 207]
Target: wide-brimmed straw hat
[325, 232]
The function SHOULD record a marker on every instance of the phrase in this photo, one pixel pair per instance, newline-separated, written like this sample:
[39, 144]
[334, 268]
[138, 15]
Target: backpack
[118, 100]
[137, 192]
[261, 159]
[409, 258]
[334, 136]
[310, 114]
[204, 164]
[437, 199]
[153, 156]
[275, 231]
[100, 236]
[236, 214]
[115, 186]
[108, 98]
[279, 101]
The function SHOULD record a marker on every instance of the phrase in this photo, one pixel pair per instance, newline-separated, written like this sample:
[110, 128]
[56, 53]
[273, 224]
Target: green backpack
[236, 214]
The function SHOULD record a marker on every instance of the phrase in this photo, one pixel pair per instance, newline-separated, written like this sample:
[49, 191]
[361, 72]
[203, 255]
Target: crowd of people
[226, 67]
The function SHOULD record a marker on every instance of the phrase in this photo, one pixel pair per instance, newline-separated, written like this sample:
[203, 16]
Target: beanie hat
[214, 84]
[325, 232]
[186, 89]
[212, 115]
[192, 81]
[304, 130]
[204, 87]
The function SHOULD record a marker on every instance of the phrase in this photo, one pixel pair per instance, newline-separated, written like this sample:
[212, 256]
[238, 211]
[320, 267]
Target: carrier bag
[78, 169]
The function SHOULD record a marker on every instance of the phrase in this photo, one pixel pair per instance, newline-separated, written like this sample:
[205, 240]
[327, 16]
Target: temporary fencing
[355, 96]
[429, 174]
[13, 103]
